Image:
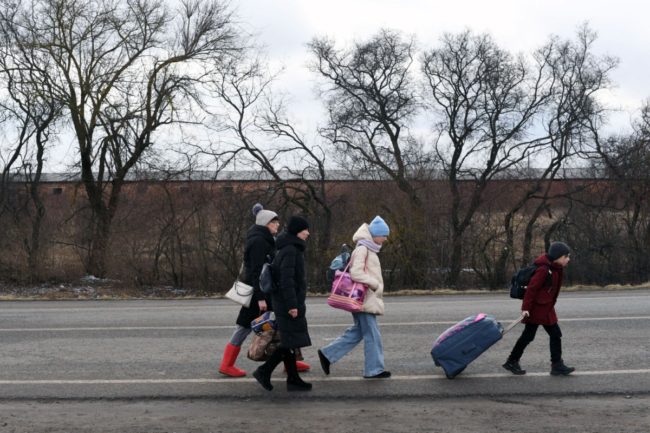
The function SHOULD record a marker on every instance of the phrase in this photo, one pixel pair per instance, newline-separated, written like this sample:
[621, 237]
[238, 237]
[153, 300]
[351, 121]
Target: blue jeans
[365, 328]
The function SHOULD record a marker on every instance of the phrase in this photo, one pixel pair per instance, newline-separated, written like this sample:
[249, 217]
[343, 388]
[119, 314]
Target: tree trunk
[455, 266]
[101, 227]
[500, 273]
[526, 252]
[34, 250]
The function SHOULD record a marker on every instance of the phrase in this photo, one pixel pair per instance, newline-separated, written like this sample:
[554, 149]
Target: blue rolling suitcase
[465, 341]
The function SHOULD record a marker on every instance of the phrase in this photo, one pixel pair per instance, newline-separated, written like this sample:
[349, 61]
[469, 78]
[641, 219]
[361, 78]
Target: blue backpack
[339, 263]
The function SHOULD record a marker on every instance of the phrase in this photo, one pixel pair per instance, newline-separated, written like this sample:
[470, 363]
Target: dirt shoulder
[604, 414]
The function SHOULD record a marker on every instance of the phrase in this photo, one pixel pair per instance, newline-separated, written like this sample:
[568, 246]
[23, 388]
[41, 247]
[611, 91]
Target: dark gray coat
[259, 245]
[289, 273]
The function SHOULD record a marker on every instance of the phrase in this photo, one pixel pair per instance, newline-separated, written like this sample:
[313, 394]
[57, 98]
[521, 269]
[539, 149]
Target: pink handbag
[347, 294]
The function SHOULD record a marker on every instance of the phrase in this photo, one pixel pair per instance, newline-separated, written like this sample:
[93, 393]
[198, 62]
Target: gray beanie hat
[263, 216]
[557, 250]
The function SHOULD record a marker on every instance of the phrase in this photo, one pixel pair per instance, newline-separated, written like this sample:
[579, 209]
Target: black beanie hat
[557, 250]
[297, 224]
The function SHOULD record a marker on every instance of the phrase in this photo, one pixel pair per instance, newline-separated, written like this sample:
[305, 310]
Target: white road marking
[311, 379]
[315, 325]
[573, 319]
[120, 328]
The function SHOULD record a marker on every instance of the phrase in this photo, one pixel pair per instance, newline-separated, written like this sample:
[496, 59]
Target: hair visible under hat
[297, 224]
[263, 216]
[557, 250]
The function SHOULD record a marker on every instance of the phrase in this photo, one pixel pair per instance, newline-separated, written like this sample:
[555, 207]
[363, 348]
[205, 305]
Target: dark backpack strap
[549, 275]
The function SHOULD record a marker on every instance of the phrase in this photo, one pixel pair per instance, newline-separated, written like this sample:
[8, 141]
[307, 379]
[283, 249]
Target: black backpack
[267, 283]
[521, 279]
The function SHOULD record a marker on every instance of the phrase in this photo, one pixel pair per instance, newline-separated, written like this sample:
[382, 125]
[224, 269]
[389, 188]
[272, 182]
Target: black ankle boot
[263, 378]
[264, 371]
[297, 384]
[560, 369]
[514, 368]
[294, 382]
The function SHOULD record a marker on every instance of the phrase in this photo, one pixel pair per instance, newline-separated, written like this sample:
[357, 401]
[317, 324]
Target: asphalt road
[85, 352]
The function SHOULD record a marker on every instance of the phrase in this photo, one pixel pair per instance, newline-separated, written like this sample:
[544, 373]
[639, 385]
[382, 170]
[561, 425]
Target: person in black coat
[289, 305]
[260, 247]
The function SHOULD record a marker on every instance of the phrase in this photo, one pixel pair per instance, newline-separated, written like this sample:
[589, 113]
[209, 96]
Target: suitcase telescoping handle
[513, 324]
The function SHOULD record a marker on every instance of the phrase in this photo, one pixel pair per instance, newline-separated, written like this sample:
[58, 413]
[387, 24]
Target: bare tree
[371, 99]
[311, 170]
[123, 70]
[33, 113]
[578, 75]
[251, 117]
[493, 108]
[626, 159]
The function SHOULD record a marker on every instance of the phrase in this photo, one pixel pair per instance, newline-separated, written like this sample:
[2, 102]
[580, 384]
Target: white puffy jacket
[365, 268]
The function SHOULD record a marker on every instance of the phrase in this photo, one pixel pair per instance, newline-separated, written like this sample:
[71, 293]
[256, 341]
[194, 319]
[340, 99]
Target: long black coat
[289, 273]
[259, 245]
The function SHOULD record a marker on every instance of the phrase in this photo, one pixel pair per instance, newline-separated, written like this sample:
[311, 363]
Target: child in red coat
[538, 308]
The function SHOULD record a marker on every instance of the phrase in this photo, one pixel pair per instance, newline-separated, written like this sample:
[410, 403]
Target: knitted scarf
[370, 245]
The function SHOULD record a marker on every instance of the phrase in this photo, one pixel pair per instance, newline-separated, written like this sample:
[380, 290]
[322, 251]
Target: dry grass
[609, 287]
[105, 290]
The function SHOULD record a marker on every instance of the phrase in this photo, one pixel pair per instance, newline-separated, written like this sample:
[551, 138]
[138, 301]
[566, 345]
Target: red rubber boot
[228, 362]
[302, 366]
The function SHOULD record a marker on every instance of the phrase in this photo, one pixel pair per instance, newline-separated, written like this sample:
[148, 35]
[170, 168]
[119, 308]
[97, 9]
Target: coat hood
[362, 232]
[544, 260]
[285, 238]
[256, 231]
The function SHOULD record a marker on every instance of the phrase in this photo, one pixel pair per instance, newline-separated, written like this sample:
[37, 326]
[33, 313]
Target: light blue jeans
[365, 328]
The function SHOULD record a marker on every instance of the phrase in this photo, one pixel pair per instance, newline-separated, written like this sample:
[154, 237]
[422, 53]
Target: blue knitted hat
[378, 227]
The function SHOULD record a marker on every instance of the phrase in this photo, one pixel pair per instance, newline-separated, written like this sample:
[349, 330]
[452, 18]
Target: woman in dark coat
[260, 247]
[538, 308]
[289, 305]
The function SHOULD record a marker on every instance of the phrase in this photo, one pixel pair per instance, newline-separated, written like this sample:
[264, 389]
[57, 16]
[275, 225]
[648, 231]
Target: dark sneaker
[382, 375]
[324, 362]
[560, 369]
[514, 368]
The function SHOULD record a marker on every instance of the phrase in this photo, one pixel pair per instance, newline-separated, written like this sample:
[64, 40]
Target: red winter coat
[542, 292]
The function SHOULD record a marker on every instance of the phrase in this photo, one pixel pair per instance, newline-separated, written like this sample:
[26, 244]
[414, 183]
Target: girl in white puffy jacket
[364, 268]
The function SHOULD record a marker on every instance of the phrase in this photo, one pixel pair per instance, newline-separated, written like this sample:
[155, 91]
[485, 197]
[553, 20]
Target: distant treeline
[190, 234]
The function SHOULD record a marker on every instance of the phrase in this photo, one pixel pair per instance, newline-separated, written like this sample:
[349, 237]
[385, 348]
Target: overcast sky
[285, 26]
